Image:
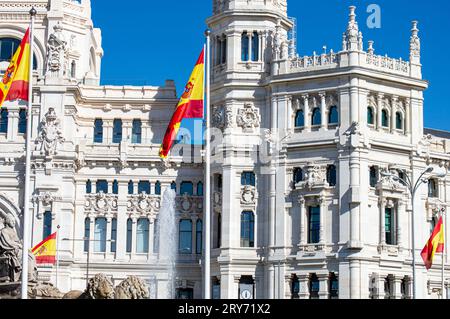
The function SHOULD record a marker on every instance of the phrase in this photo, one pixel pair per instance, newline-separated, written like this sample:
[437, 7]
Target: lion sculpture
[132, 288]
[99, 287]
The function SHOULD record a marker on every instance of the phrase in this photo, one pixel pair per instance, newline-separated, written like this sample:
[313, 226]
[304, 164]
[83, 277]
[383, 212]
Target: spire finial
[414, 43]
[352, 36]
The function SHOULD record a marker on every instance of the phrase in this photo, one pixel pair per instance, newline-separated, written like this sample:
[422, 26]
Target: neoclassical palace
[306, 203]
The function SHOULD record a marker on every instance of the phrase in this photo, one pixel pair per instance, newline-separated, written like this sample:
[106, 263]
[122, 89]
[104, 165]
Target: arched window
[4, 121]
[255, 46]
[333, 116]
[87, 234]
[98, 131]
[102, 187]
[332, 175]
[316, 117]
[47, 231]
[248, 179]
[173, 186]
[142, 236]
[9, 46]
[187, 188]
[299, 119]
[130, 188]
[399, 121]
[298, 175]
[185, 236]
[114, 235]
[200, 189]
[247, 229]
[129, 235]
[136, 137]
[385, 118]
[158, 188]
[370, 116]
[245, 43]
[115, 187]
[100, 235]
[199, 237]
[23, 121]
[117, 131]
[144, 187]
[88, 187]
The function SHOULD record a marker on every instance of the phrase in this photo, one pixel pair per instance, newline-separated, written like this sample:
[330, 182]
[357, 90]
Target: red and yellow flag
[435, 245]
[14, 84]
[190, 105]
[45, 252]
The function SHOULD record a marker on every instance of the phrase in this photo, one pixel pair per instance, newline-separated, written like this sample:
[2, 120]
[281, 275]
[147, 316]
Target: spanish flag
[45, 252]
[190, 105]
[435, 245]
[14, 84]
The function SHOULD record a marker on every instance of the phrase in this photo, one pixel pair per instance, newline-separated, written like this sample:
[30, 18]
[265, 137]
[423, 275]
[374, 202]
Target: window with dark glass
[332, 175]
[185, 235]
[385, 118]
[158, 188]
[248, 179]
[173, 186]
[4, 121]
[219, 231]
[73, 69]
[248, 229]
[432, 188]
[299, 119]
[223, 48]
[219, 182]
[130, 188]
[370, 116]
[88, 187]
[314, 225]
[102, 186]
[316, 117]
[136, 137]
[295, 290]
[47, 231]
[200, 189]
[87, 234]
[255, 46]
[390, 227]
[399, 121]
[22, 121]
[144, 187]
[98, 131]
[199, 237]
[334, 286]
[314, 287]
[187, 188]
[129, 235]
[333, 116]
[245, 43]
[142, 236]
[115, 187]
[117, 131]
[100, 235]
[373, 177]
[114, 235]
[298, 175]
[9, 46]
[185, 293]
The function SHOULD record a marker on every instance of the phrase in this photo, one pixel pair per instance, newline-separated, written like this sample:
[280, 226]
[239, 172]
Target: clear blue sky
[147, 42]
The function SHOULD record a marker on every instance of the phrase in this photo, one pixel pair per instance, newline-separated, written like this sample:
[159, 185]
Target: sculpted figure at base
[132, 288]
[99, 287]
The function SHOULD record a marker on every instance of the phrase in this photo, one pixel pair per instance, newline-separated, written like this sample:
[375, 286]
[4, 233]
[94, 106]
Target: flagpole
[443, 252]
[26, 198]
[207, 199]
[57, 255]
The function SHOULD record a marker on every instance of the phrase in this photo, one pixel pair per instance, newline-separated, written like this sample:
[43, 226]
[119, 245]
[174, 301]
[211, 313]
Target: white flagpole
[57, 256]
[207, 199]
[26, 212]
[443, 253]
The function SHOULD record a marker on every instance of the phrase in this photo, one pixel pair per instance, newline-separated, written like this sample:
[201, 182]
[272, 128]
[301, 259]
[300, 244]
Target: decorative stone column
[288, 287]
[13, 122]
[394, 114]
[397, 287]
[133, 236]
[289, 123]
[408, 117]
[380, 111]
[304, 286]
[402, 220]
[91, 235]
[383, 203]
[322, 203]
[306, 112]
[323, 110]
[303, 209]
[380, 281]
[107, 132]
[323, 286]
[108, 236]
[151, 236]
[194, 220]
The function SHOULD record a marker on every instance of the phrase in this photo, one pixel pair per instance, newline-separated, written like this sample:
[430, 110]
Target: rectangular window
[248, 179]
[22, 122]
[114, 235]
[334, 287]
[199, 237]
[100, 235]
[187, 188]
[390, 224]
[144, 187]
[314, 225]
[245, 44]
[87, 234]
[117, 131]
[185, 240]
[255, 46]
[247, 229]
[137, 132]
[98, 131]
[373, 177]
[47, 225]
[4, 121]
[314, 287]
[142, 235]
[102, 186]
[129, 234]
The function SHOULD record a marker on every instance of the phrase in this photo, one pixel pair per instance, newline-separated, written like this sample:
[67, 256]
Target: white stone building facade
[301, 208]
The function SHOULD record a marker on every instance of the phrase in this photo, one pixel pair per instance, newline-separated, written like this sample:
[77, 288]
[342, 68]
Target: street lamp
[87, 239]
[413, 187]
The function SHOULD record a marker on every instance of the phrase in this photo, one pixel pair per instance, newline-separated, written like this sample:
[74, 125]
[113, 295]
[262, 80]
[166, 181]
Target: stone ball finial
[33, 12]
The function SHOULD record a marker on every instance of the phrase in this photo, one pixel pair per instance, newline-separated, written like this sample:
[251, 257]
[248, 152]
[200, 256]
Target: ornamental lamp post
[413, 188]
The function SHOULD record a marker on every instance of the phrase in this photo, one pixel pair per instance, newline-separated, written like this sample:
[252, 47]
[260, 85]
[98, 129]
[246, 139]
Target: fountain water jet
[167, 237]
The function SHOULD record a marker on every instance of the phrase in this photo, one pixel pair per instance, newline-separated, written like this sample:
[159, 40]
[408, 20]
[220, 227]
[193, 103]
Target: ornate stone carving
[414, 46]
[352, 40]
[131, 289]
[189, 204]
[101, 203]
[248, 195]
[315, 177]
[423, 148]
[145, 204]
[51, 134]
[222, 117]
[248, 118]
[56, 52]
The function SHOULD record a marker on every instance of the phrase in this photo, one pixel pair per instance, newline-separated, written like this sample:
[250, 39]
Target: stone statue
[132, 288]
[99, 287]
[56, 50]
[11, 254]
[51, 133]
